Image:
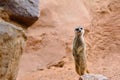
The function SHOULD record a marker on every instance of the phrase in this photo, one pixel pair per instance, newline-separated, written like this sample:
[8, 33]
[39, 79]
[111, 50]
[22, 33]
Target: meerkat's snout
[79, 30]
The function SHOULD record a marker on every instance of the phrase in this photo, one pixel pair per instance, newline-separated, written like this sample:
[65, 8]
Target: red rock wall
[104, 39]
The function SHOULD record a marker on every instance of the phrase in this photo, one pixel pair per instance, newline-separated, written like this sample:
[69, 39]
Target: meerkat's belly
[80, 59]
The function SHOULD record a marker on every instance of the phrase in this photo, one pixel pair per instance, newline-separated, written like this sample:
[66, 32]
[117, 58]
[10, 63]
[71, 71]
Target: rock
[2, 3]
[12, 40]
[93, 77]
[59, 64]
[23, 11]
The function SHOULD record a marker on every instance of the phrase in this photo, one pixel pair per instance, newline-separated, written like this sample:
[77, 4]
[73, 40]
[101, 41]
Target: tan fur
[79, 52]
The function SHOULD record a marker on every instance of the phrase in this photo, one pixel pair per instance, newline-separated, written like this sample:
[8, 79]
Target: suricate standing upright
[79, 51]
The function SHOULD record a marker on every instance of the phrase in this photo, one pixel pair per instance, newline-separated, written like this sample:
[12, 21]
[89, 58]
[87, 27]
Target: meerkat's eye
[81, 28]
[77, 29]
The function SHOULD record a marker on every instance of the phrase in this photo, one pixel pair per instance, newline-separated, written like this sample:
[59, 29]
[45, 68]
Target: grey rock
[12, 41]
[93, 77]
[23, 11]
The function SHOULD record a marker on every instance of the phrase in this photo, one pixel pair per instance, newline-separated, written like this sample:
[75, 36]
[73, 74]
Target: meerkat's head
[79, 31]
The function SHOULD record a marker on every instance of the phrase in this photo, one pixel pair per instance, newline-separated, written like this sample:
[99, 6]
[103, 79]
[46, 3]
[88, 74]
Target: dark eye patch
[81, 28]
[77, 29]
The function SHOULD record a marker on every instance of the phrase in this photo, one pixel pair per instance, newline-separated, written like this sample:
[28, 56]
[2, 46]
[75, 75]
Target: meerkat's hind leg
[87, 71]
[77, 69]
[82, 72]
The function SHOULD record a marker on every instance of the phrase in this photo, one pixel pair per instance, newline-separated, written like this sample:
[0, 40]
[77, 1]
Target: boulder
[93, 77]
[12, 40]
[23, 11]
[2, 3]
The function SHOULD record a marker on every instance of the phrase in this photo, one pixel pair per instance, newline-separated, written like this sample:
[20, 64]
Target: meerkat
[79, 51]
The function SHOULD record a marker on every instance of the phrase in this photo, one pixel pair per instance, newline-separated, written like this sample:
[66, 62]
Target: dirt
[50, 43]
